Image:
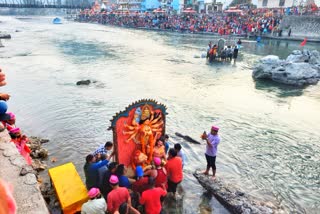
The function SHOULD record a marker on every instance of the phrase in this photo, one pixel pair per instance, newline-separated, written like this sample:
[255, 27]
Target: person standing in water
[212, 140]
[235, 53]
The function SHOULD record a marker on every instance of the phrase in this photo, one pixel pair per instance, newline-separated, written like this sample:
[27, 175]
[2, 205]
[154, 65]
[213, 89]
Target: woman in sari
[159, 150]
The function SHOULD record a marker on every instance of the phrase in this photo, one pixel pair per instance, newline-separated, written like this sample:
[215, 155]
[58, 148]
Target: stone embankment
[15, 171]
[301, 26]
[301, 68]
[235, 200]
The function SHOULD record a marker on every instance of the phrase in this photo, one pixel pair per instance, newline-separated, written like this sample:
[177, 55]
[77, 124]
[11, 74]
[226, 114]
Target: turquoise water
[270, 133]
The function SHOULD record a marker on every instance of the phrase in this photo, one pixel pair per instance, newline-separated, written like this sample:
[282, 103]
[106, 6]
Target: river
[270, 133]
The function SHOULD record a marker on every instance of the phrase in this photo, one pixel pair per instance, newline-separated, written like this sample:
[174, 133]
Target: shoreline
[216, 35]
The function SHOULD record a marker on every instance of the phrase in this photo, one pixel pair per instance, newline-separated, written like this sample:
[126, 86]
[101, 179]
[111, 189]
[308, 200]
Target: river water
[270, 133]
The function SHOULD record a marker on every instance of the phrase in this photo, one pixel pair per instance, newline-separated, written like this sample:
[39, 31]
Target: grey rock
[44, 141]
[38, 165]
[5, 146]
[30, 179]
[84, 82]
[43, 153]
[270, 59]
[299, 69]
[246, 211]
[296, 52]
[25, 170]
[17, 160]
[234, 199]
[9, 153]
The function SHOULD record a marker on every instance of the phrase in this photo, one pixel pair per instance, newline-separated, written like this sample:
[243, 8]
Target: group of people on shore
[111, 189]
[219, 23]
[7, 122]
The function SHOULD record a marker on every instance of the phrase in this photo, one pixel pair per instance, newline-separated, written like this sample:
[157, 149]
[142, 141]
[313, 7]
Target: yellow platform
[69, 187]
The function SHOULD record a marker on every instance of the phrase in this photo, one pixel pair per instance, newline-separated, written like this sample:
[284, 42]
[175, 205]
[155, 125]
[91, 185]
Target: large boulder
[299, 69]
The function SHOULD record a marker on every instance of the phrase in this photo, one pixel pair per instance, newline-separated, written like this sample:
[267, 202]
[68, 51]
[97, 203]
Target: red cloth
[303, 43]
[151, 200]
[161, 178]
[140, 185]
[174, 169]
[23, 149]
[116, 197]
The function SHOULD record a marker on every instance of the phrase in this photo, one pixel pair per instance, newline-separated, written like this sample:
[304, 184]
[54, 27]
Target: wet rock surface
[40, 156]
[301, 68]
[38, 153]
[83, 82]
[235, 200]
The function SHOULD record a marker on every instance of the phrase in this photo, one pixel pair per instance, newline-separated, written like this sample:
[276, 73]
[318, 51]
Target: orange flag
[303, 43]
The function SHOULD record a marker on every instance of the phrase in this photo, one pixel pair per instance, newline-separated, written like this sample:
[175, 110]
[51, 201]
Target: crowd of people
[8, 122]
[111, 189]
[226, 53]
[219, 23]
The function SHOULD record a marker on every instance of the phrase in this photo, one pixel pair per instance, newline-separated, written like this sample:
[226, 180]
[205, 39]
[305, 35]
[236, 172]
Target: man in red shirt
[174, 171]
[151, 198]
[117, 196]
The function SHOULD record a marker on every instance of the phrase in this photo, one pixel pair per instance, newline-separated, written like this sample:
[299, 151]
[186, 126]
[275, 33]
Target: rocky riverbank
[235, 200]
[22, 177]
[39, 158]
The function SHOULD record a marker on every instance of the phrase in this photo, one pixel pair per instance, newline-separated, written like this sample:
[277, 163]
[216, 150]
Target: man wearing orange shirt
[174, 171]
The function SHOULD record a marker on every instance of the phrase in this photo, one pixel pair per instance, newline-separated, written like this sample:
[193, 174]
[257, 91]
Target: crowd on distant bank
[112, 189]
[220, 23]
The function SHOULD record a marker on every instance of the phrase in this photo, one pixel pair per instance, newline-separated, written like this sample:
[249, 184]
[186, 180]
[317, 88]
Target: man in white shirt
[180, 153]
[96, 203]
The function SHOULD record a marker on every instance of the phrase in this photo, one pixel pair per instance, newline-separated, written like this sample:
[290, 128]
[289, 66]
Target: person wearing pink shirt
[212, 140]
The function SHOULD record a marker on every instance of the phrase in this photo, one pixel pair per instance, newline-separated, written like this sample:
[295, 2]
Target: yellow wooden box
[69, 187]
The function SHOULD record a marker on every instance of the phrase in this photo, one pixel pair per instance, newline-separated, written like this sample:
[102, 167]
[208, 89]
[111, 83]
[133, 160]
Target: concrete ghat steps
[26, 189]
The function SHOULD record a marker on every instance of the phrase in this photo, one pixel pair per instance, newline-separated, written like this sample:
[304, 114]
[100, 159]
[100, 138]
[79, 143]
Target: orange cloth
[174, 169]
[7, 202]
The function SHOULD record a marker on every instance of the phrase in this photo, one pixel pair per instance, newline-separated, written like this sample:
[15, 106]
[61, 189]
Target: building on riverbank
[285, 3]
[212, 6]
[275, 3]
